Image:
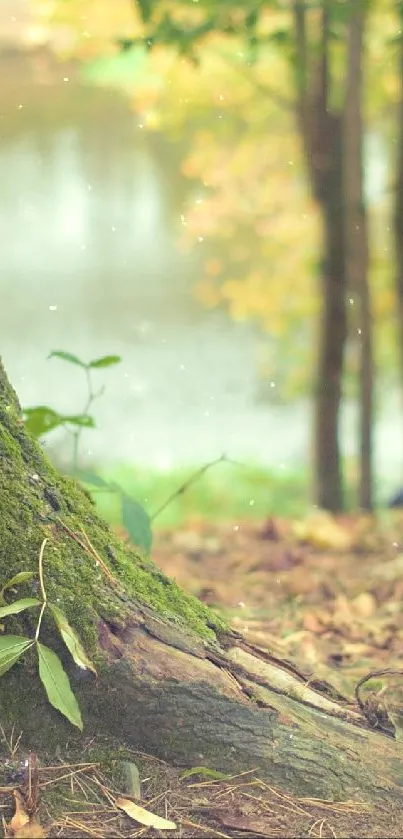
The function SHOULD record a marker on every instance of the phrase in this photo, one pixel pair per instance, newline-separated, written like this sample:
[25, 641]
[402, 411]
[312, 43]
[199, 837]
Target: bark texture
[173, 680]
[398, 211]
[320, 126]
[357, 244]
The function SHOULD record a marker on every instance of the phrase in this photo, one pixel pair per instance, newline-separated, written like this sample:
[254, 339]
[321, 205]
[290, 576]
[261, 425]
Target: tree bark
[173, 679]
[357, 244]
[333, 331]
[398, 210]
[321, 131]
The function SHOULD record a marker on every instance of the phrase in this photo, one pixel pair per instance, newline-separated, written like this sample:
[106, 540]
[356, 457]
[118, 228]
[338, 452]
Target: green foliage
[67, 356]
[70, 639]
[136, 521]
[11, 649]
[22, 577]
[57, 685]
[51, 672]
[134, 517]
[42, 419]
[105, 361]
[19, 606]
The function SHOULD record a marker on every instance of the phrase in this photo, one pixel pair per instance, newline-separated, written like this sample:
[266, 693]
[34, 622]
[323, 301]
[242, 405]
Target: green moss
[34, 501]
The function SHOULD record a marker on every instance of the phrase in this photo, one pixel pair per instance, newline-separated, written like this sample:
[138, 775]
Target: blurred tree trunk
[357, 243]
[398, 210]
[321, 130]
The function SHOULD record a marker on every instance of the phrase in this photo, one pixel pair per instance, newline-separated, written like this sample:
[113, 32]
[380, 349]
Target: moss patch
[34, 501]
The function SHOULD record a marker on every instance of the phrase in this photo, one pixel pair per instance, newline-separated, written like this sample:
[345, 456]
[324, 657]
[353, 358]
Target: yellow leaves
[323, 532]
[86, 28]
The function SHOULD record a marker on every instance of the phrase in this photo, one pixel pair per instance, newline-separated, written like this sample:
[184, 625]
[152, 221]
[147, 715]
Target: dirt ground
[325, 593]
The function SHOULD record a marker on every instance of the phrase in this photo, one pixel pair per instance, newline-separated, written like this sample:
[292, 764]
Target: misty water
[89, 263]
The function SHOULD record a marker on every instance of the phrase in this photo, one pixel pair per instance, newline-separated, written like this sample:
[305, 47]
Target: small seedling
[41, 419]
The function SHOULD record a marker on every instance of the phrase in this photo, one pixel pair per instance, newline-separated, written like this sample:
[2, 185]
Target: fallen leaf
[131, 777]
[364, 604]
[322, 531]
[31, 830]
[139, 814]
[20, 817]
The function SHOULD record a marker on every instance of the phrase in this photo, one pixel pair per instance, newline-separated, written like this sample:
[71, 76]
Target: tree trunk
[321, 131]
[357, 244]
[173, 680]
[398, 213]
[333, 333]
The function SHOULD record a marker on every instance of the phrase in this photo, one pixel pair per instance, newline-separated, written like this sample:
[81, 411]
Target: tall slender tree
[398, 205]
[356, 237]
[321, 127]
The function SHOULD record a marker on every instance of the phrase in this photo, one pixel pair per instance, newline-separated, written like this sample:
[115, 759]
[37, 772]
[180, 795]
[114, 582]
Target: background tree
[355, 218]
[205, 83]
[398, 214]
[321, 122]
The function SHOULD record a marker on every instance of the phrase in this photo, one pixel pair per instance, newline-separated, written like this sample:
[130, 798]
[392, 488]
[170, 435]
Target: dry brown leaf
[31, 830]
[20, 817]
[364, 605]
[139, 814]
[322, 531]
[313, 623]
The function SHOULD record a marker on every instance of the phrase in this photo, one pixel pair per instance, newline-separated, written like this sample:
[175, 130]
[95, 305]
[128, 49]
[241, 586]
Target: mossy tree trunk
[173, 680]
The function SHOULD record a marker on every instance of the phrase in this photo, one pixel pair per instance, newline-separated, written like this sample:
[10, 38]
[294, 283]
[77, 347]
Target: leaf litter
[81, 800]
[325, 592]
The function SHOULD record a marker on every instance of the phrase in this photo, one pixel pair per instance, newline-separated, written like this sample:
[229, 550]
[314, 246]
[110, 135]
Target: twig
[98, 558]
[43, 591]
[195, 477]
[40, 563]
[374, 674]
[89, 549]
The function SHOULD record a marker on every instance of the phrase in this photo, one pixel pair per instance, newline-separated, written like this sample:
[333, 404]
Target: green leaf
[82, 420]
[136, 521]
[57, 685]
[105, 361]
[41, 419]
[11, 649]
[71, 639]
[120, 70]
[92, 478]
[146, 7]
[21, 577]
[131, 778]
[67, 356]
[207, 773]
[19, 606]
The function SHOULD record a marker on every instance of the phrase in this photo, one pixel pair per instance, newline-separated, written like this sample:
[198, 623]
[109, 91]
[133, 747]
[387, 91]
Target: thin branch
[188, 483]
[40, 569]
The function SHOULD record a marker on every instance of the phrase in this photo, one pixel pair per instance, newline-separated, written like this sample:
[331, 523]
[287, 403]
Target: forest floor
[323, 592]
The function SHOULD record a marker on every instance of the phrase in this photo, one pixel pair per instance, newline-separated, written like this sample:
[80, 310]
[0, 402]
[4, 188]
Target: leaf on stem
[21, 577]
[105, 361]
[11, 649]
[71, 639]
[19, 606]
[67, 356]
[57, 685]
